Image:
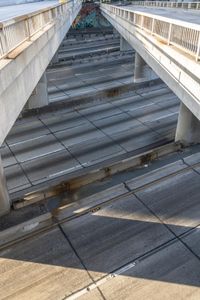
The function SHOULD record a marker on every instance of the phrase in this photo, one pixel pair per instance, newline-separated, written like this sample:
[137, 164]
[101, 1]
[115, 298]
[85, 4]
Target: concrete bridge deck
[15, 11]
[183, 15]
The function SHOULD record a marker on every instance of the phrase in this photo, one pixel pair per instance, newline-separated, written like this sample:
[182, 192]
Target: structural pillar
[39, 97]
[142, 71]
[115, 32]
[188, 127]
[55, 59]
[124, 45]
[4, 196]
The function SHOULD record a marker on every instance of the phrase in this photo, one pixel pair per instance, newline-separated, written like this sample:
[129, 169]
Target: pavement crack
[80, 259]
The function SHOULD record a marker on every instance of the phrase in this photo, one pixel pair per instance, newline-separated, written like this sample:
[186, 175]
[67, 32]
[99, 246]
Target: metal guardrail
[183, 35]
[16, 31]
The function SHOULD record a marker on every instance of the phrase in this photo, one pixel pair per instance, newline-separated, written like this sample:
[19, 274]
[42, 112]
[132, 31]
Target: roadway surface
[13, 11]
[142, 242]
[84, 134]
[190, 16]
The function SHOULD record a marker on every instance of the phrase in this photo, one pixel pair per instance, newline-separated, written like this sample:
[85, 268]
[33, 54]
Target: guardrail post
[152, 27]
[169, 34]
[198, 49]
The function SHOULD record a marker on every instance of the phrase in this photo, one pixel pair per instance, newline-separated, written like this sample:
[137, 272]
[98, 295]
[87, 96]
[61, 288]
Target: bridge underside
[177, 70]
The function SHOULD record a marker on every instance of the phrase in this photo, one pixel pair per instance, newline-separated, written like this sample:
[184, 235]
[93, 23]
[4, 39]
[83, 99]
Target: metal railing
[16, 31]
[183, 35]
[168, 4]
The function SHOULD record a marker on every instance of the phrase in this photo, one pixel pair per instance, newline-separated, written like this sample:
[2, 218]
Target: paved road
[190, 16]
[144, 245]
[44, 147]
[12, 11]
[86, 134]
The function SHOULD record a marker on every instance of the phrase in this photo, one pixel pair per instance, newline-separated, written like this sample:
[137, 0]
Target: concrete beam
[188, 127]
[19, 76]
[4, 196]
[39, 97]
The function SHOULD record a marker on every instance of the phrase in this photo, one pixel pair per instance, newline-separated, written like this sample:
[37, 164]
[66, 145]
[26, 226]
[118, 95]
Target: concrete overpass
[30, 35]
[166, 39]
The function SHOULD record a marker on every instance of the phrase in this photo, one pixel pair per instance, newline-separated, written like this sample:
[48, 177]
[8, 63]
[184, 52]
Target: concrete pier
[188, 127]
[142, 71]
[4, 196]
[39, 97]
[124, 45]
[55, 59]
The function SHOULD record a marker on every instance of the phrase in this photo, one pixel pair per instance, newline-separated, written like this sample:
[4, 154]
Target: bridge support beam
[142, 71]
[4, 196]
[39, 97]
[188, 127]
[124, 45]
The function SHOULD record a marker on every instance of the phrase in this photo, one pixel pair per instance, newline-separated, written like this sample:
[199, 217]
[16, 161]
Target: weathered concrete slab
[7, 156]
[64, 121]
[156, 174]
[79, 134]
[16, 179]
[83, 204]
[99, 111]
[165, 126]
[50, 166]
[36, 148]
[115, 235]
[175, 201]
[135, 138]
[44, 267]
[97, 150]
[116, 123]
[192, 240]
[192, 159]
[26, 131]
[93, 295]
[131, 103]
[171, 273]
[149, 113]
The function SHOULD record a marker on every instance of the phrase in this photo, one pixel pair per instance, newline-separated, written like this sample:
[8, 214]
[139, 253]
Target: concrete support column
[4, 196]
[55, 59]
[124, 45]
[39, 97]
[115, 32]
[142, 71]
[188, 127]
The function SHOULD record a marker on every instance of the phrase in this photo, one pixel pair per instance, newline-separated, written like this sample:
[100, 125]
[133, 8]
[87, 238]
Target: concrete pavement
[42, 148]
[141, 241]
